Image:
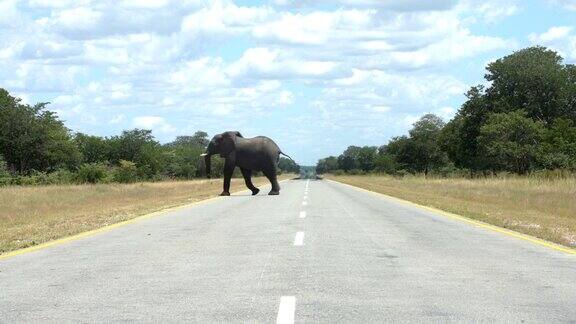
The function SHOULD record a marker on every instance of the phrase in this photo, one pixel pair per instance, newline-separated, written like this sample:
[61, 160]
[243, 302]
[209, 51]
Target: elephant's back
[267, 141]
[268, 146]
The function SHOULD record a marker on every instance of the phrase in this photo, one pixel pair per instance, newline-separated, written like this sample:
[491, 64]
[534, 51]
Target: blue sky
[316, 76]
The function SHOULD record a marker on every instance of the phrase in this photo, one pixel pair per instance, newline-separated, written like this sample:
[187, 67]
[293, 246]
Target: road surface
[319, 252]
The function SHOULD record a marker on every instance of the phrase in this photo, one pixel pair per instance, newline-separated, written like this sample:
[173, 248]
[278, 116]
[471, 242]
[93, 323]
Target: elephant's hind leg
[271, 175]
[247, 174]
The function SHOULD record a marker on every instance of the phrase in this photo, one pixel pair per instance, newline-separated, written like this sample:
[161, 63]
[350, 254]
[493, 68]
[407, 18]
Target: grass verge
[543, 208]
[34, 215]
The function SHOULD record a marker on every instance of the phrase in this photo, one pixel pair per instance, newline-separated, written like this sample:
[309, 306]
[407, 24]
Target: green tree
[126, 172]
[403, 149]
[425, 135]
[139, 147]
[534, 80]
[287, 165]
[91, 173]
[459, 138]
[385, 163]
[5, 176]
[183, 155]
[560, 145]
[366, 158]
[328, 164]
[32, 138]
[512, 141]
[348, 160]
[94, 149]
[199, 139]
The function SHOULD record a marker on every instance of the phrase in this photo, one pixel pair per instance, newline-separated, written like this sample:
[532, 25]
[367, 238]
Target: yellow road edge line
[465, 219]
[110, 227]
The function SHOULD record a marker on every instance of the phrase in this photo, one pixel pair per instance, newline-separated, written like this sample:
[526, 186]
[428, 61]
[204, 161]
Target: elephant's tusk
[203, 154]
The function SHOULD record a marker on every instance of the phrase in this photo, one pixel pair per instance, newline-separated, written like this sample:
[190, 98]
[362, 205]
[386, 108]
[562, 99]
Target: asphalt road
[335, 254]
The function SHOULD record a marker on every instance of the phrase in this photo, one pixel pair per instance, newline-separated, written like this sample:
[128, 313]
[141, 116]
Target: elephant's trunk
[207, 160]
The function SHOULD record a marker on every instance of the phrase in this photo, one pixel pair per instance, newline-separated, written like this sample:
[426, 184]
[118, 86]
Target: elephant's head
[222, 144]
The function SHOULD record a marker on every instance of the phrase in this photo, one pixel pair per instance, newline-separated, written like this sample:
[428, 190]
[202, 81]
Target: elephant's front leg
[228, 171]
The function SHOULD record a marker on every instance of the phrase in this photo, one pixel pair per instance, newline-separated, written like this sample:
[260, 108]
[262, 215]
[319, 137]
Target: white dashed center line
[286, 310]
[304, 203]
[302, 214]
[299, 239]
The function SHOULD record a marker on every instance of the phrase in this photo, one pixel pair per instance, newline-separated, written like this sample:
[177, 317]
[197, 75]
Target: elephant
[249, 154]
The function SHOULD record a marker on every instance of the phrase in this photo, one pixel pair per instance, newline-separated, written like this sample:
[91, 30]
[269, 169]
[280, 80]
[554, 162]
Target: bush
[30, 180]
[553, 174]
[6, 181]
[5, 176]
[338, 172]
[447, 171]
[60, 177]
[386, 163]
[401, 173]
[126, 172]
[92, 173]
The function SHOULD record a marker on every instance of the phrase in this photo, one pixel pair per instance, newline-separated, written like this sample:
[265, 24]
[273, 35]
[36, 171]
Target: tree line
[521, 121]
[37, 148]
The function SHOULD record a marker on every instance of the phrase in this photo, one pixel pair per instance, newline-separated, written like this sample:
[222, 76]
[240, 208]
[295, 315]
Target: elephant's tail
[288, 156]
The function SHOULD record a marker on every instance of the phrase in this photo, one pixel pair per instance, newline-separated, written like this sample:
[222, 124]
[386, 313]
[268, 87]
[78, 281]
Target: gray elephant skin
[249, 154]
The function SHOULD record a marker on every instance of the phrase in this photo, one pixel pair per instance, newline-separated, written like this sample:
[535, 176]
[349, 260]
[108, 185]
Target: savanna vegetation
[36, 148]
[30, 215]
[535, 205]
[55, 183]
[522, 122]
[508, 157]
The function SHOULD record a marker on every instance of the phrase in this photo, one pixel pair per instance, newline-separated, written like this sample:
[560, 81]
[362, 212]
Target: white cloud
[9, 13]
[117, 119]
[496, 10]
[446, 112]
[552, 34]
[153, 4]
[153, 123]
[286, 97]
[559, 38]
[270, 64]
[315, 28]
[352, 64]
[397, 5]
[222, 17]
[567, 4]
[381, 109]
[57, 3]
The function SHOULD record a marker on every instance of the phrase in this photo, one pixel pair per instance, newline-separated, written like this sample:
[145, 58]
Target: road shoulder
[494, 228]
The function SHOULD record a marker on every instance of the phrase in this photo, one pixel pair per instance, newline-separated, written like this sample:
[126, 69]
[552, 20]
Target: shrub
[553, 174]
[5, 176]
[59, 177]
[401, 173]
[447, 171]
[30, 180]
[126, 172]
[92, 173]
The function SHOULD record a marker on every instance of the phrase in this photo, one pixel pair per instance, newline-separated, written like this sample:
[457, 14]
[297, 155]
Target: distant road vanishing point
[319, 252]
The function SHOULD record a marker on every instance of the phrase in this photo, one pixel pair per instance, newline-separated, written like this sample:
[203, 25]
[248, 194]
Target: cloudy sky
[314, 75]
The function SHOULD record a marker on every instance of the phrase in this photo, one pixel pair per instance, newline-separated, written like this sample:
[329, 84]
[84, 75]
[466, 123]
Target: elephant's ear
[228, 144]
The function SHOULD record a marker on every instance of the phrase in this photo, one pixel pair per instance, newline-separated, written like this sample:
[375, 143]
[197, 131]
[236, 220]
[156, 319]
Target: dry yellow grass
[539, 207]
[33, 215]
